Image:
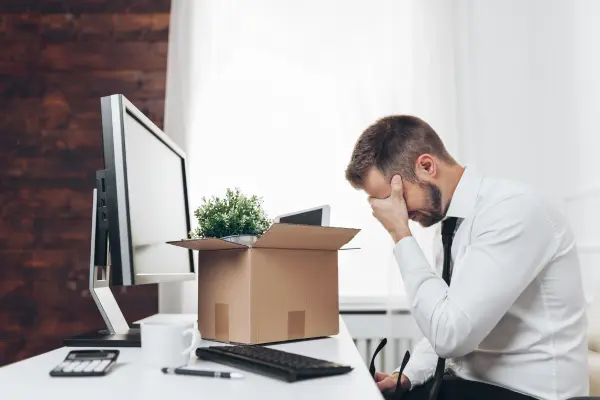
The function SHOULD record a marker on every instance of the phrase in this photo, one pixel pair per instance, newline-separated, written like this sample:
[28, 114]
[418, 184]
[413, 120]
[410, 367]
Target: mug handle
[195, 339]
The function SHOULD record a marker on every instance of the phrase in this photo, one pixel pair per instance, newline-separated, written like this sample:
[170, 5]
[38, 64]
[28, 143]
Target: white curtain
[271, 95]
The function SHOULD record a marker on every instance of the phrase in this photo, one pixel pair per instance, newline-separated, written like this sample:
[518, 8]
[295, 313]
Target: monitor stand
[118, 333]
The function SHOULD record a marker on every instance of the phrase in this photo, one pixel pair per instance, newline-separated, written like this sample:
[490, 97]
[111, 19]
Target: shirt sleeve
[511, 241]
[422, 363]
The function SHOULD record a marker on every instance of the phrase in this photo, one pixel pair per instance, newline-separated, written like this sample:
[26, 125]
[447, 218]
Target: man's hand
[391, 212]
[388, 382]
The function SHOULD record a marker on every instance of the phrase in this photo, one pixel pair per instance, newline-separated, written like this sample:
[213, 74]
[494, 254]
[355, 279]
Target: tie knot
[448, 226]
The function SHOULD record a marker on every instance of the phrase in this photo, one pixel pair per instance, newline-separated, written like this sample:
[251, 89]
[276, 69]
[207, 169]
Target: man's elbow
[453, 350]
[454, 347]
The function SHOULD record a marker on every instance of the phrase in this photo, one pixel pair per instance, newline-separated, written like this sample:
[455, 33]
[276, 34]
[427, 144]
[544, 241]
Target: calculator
[86, 363]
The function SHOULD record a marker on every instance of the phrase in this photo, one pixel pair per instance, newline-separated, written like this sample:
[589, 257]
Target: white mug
[165, 344]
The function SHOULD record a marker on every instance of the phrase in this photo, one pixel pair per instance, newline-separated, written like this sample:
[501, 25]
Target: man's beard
[434, 213]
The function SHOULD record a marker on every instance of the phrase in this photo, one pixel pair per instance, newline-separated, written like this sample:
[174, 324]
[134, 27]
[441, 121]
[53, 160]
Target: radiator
[368, 329]
[390, 357]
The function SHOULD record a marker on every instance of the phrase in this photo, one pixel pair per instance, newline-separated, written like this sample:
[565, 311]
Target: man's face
[423, 199]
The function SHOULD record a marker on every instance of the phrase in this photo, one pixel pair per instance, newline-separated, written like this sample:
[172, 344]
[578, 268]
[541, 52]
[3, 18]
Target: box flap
[207, 244]
[305, 237]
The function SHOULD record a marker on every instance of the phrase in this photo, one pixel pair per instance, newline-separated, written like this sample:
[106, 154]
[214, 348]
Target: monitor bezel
[114, 109]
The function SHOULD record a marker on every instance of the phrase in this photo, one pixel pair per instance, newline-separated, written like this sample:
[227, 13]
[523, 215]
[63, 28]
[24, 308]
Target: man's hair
[392, 145]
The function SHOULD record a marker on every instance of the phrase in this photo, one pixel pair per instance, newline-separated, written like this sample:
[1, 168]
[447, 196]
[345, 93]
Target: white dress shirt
[514, 314]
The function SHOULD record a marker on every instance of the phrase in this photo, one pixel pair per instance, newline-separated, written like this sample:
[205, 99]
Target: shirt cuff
[415, 376]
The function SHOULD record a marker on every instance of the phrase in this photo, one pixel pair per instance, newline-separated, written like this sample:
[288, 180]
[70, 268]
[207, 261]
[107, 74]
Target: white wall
[516, 83]
[584, 199]
[529, 102]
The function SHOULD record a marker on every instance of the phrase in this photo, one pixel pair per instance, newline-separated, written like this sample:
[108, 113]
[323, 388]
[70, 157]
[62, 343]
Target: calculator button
[102, 366]
[60, 366]
[90, 367]
[71, 366]
[81, 366]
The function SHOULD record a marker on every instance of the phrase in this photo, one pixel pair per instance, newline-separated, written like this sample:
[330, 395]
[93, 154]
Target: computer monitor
[147, 201]
[319, 216]
[140, 203]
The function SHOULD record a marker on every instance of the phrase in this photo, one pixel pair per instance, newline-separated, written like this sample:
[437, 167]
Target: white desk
[129, 379]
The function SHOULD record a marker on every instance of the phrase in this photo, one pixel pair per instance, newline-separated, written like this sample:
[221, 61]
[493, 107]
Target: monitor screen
[312, 217]
[156, 191]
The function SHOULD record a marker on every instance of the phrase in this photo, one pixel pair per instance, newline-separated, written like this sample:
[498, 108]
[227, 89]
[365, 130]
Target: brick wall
[57, 58]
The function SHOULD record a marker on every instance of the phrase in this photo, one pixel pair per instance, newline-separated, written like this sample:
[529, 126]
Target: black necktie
[448, 228]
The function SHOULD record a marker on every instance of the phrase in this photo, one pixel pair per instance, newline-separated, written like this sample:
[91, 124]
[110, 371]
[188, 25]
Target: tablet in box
[282, 287]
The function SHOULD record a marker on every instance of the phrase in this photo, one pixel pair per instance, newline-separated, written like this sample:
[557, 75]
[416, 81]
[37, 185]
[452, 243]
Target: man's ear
[426, 167]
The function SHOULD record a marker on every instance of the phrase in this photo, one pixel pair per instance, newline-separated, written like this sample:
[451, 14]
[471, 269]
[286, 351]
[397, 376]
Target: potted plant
[236, 217]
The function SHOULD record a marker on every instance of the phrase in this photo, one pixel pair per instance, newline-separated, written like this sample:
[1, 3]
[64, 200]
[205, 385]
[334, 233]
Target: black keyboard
[278, 364]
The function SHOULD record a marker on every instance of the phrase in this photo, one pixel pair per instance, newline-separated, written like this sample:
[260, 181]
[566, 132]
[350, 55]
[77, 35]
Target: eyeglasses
[396, 394]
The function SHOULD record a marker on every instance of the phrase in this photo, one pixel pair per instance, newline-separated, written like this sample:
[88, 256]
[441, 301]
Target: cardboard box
[283, 287]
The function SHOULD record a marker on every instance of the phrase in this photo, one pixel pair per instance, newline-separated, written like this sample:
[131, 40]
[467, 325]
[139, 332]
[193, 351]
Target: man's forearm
[400, 233]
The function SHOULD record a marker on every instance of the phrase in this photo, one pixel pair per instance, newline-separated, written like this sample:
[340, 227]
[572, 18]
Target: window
[278, 94]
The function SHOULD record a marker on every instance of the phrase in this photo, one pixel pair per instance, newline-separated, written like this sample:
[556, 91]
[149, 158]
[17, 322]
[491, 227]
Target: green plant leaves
[235, 214]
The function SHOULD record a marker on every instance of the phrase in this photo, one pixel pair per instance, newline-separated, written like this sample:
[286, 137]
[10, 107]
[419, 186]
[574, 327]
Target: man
[511, 322]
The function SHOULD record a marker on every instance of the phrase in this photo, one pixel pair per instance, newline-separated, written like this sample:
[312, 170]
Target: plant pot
[247, 240]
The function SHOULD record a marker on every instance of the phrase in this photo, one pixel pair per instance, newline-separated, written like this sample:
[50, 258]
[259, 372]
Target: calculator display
[91, 355]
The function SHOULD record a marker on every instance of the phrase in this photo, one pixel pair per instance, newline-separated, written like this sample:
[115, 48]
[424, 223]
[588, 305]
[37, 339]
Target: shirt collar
[465, 195]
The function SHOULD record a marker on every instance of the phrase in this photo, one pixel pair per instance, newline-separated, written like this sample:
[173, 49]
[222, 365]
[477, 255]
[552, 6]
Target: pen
[199, 372]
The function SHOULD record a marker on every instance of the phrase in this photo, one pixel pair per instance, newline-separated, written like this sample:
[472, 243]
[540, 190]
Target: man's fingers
[379, 376]
[397, 187]
[387, 383]
[374, 203]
